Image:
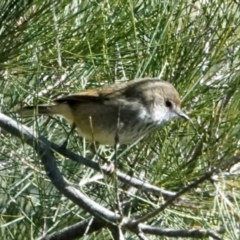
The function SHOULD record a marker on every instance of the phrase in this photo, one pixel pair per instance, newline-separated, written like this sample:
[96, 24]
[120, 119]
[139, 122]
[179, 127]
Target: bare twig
[77, 230]
[106, 217]
[193, 233]
[43, 148]
[206, 176]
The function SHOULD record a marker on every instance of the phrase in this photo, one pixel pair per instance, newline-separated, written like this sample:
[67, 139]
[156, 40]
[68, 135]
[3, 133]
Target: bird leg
[65, 142]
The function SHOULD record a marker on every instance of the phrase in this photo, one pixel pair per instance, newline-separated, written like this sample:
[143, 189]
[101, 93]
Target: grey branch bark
[102, 216]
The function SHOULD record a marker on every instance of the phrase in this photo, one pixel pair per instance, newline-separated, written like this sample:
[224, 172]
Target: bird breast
[102, 123]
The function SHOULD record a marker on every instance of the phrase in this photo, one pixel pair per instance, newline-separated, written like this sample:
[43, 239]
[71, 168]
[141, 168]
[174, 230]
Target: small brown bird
[128, 110]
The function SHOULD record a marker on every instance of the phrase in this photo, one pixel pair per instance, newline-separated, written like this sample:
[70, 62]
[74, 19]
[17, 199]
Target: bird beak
[182, 115]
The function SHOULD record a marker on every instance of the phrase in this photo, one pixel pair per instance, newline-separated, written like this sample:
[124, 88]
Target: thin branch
[206, 176]
[77, 230]
[124, 178]
[108, 218]
[117, 232]
[193, 233]
[43, 148]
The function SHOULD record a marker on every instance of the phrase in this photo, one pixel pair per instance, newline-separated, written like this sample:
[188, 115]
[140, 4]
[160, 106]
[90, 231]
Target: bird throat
[157, 115]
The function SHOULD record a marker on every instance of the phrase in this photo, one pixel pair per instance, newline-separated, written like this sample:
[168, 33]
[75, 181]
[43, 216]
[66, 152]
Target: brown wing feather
[95, 95]
[79, 97]
[110, 92]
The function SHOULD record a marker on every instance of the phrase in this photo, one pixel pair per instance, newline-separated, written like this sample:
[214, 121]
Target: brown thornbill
[131, 109]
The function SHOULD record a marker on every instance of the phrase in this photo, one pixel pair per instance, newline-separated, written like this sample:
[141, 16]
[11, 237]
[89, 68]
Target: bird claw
[109, 168]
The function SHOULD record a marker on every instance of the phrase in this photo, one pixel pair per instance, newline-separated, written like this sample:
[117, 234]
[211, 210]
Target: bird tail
[29, 111]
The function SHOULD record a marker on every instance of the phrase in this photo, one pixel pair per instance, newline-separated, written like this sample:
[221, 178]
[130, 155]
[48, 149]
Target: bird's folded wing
[95, 95]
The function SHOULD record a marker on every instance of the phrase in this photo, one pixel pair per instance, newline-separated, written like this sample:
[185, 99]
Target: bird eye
[168, 104]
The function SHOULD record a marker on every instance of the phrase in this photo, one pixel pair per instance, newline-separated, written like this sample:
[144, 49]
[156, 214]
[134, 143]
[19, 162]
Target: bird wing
[108, 92]
[85, 96]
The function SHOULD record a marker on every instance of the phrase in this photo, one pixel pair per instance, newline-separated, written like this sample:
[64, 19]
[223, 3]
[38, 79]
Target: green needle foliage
[50, 48]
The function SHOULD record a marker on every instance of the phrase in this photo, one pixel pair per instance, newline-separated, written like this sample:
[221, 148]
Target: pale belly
[122, 136]
[105, 123]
